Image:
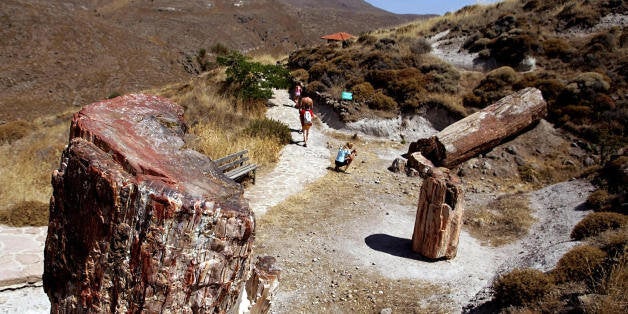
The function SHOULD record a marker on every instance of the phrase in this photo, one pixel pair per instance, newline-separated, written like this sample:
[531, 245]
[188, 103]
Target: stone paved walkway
[21, 249]
[297, 166]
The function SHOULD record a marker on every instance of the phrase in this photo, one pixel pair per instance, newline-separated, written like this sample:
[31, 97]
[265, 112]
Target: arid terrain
[342, 240]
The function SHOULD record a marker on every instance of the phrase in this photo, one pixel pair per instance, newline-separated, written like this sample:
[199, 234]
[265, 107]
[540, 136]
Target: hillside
[59, 54]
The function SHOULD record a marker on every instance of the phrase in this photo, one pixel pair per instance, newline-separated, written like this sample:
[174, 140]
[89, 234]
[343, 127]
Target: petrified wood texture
[262, 285]
[484, 129]
[439, 216]
[139, 224]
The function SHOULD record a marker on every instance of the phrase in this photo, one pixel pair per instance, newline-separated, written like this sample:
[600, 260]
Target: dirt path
[343, 240]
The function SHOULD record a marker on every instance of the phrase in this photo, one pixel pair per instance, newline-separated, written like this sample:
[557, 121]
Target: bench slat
[229, 157]
[234, 167]
[239, 172]
[233, 163]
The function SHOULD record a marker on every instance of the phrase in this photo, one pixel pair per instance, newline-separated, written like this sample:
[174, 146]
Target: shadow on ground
[396, 246]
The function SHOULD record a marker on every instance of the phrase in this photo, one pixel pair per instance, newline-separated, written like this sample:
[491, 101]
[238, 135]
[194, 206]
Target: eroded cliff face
[137, 223]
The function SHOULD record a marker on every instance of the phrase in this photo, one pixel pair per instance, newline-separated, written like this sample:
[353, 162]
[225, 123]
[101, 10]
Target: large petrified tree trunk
[439, 216]
[139, 224]
[484, 129]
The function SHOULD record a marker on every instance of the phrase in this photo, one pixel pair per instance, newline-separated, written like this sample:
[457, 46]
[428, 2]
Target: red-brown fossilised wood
[484, 129]
[439, 216]
[137, 223]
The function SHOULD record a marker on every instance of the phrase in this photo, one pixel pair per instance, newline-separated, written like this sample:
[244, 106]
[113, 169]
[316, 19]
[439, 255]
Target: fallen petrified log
[139, 224]
[484, 129]
[439, 215]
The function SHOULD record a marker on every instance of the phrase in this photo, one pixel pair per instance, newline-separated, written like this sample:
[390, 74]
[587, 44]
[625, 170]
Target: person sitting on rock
[345, 156]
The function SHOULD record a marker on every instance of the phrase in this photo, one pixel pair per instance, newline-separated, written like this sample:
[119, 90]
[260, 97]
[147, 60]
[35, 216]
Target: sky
[439, 7]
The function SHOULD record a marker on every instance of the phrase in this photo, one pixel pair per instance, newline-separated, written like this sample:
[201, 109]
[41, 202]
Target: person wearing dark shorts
[345, 156]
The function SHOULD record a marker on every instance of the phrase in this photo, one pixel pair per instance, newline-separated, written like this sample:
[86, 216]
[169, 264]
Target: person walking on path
[297, 94]
[306, 115]
[345, 156]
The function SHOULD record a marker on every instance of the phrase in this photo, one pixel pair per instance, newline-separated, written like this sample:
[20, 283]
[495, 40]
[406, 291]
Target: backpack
[307, 117]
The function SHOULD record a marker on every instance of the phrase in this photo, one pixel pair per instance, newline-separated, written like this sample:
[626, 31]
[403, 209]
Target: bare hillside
[59, 54]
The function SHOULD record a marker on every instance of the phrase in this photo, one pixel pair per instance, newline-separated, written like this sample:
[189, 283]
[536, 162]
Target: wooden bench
[236, 166]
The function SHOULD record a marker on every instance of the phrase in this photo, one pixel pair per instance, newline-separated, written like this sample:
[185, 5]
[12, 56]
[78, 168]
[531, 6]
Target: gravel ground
[343, 239]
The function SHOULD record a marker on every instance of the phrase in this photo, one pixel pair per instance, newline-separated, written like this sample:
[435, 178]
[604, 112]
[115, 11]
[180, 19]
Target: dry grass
[502, 221]
[26, 166]
[217, 121]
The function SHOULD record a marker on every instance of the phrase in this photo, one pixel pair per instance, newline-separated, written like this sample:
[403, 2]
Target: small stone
[386, 311]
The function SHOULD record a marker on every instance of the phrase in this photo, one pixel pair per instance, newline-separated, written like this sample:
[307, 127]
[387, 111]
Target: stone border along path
[297, 166]
[21, 249]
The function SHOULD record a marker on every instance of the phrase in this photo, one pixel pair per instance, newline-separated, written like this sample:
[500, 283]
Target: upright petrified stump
[262, 286]
[484, 129]
[439, 216]
[137, 222]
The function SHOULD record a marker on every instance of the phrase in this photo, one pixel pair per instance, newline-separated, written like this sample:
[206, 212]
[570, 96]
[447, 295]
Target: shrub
[363, 92]
[598, 199]
[522, 287]
[269, 128]
[315, 86]
[253, 80]
[527, 173]
[28, 213]
[382, 102]
[386, 44]
[367, 39]
[14, 130]
[376, 60]
[613, 242]
[441, 78]
[511, 48]
[596, 223]
[300, 75]
[582, 263]
[496, 85]
[580, 15]
[558, 48]
[420, 46]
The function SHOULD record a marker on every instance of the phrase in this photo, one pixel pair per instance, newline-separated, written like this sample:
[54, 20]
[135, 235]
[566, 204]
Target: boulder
[137, 222]
[484, 129]
[439, 216]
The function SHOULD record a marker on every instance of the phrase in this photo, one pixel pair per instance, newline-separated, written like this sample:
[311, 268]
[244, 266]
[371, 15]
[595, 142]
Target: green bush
[522, 287]
[595, 223]
[363, 92]
[582, 263]
[269, 128]
[253, 80]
